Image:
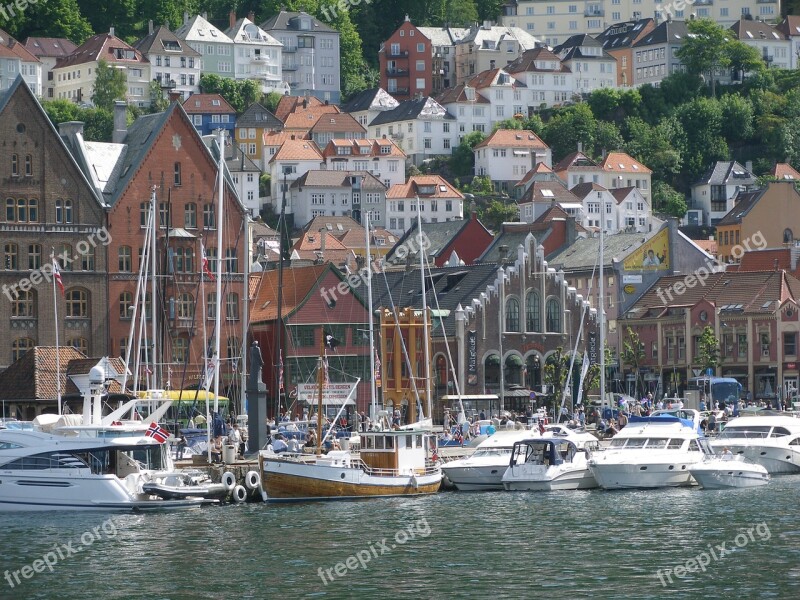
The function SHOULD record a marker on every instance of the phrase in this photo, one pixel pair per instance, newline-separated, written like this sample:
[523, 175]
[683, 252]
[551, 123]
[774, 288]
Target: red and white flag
[158, 433]
[57, 276]
[206, 268]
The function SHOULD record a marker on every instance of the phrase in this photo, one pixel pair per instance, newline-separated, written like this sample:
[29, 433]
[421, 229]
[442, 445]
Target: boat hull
[718, 478]
[613, 476]
[548, 479]
[294, 481]
[776, 460]
[476, 478]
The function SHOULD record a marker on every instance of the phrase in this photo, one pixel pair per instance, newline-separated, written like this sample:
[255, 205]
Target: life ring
[229, 480]
[252, 480]
[239, 494]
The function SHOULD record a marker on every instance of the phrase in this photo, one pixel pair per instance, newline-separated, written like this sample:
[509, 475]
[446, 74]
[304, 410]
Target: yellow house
[250, 129]
[764, 218]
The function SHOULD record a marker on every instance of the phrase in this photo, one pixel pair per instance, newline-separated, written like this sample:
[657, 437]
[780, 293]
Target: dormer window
[215, 103]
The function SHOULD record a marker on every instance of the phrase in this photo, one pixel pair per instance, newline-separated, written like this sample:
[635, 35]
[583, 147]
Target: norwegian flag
[159, 434]
[57, 276]
[206, 268]
[280, 370]
[377, 369]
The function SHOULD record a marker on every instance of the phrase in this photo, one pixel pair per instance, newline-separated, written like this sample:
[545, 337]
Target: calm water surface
[477, 545]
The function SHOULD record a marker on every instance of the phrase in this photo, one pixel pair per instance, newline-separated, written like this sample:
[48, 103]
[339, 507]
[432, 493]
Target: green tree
[659, 147]
[98, 124]
[352, 65]
[708, 349]
[120, 14]
[633, 355]
[481, 185]
[701, 119]
[61, 111]
[158, 100]
[554, 374]
[110, 84]
[497, 213]
[744, 58]
[570, 126]
[271, 100]
[704, 51]
[737, 118]
[54, 18]
[462, 160]
[668, 201]
[607, 138]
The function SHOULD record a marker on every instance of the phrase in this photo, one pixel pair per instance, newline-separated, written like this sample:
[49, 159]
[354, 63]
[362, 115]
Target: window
[180, 350]
[77, 304]
[532, 312]
[232, 307]
[512, 314]
[34, 256]
[553, 316]
[163, 214]
[10, 255]
[14, 165]
[125, 305]
[28, 165]
[209, 220]
[303, 335]
[231, 261]
[125, 259]
[23, 304]
[185, 306]
[420, 65]
[64, 257]
[420, 47]
[789, 343]
[190, 216]
[177, 173]
[22, 210]
[20, 347]
[87, 260]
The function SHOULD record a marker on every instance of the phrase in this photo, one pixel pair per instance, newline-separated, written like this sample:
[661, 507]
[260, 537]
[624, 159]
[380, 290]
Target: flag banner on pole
[330, 341]
[584, 370]
[377, 369]
[209, 373]
[206, 268]
[280, 370]
[325, 368]
[159, 434]
[57, 276]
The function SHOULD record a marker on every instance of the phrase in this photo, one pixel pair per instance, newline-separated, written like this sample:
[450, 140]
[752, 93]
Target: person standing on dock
[235, 439]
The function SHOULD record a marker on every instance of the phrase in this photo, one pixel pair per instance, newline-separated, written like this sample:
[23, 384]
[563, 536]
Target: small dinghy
[183, 485]
[722, 471]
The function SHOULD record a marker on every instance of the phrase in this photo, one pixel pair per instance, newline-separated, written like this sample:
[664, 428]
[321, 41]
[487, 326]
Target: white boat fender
[414, 482]
[239, 494]
[264, 496]
[228, 480]
[252, 480]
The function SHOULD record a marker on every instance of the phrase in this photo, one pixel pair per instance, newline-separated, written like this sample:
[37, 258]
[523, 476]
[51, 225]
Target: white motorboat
[42, 472]
[721, 471]
[651, 452]
[542, 464]
[771, 439]
[581, 439]
[484, 469]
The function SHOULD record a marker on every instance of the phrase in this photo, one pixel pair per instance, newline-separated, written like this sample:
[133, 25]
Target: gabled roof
[623, 192]
[527, 62]
[337, 123]
[790, 26]
[785, 170]
[333, 179]
[550, 192]
[439, 235]
[490, 77]
[513, 138]
[290, 21]
[411, 188]
[102, 46]
[298, 283]
[673, 32]
[372, 99]
[584, 189]
[768, 259]
[724, 172]
[747, 31]
[480, 36]
[582, 255]
[82, 366]
[33, 375]
[348, 231]
[162, 40]
[424, 108]
[744, 203]
[309, 246]
[459, 94]
[623, 35]
[8, 45]
[541, 170]
[206, 104]
[50, 47]
[375, 146]
[197, 29]
[289, 104]
[574, 41]
[297, 150]
[620, 162]
[304, 119]
[276, 138]
[577, 160]
[443, 36]
[259, 117]
[244, 31]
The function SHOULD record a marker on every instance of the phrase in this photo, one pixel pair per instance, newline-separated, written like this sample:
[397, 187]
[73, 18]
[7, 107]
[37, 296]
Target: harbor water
[682, 543]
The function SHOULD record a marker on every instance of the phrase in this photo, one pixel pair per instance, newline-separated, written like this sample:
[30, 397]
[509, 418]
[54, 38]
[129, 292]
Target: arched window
[788, 236]
[125, 304]
[553, 316]
[512, 314]
[125, 259]
[20, 347]
[77, 304]
[28, 165]
[441, 370]
[68, 211]
[79, 343]
[533, 316]
[24, 304]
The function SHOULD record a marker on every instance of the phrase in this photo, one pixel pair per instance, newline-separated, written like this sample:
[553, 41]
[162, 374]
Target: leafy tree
[744, 58]
[708, 349]
[98, 124]
[701, 119]
[511, 123]
[110, 84]
[120, 14]
[271, 100]
[660, 147]
[462, 160]
[497, 213]
[703, 52]
[352, 64]
[535, 124]
[489, 10]
[455, 12]
[607, 137]
[570, 126]
[54, 18]
[158, 101]
[170, 12]
[633, 355]
[481, 185]
[61, 111]
[668, 201]
[737, 117]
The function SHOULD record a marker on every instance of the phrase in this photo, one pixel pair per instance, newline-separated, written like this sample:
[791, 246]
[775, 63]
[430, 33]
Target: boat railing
[430, 469]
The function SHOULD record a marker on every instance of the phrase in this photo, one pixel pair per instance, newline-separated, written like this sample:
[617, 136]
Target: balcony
[397, 72]
[594, 12]
[289, 67]
[294, 84]
[166, 84]
[399, 91]
[286, 49]
[397, 54]
[768, 59]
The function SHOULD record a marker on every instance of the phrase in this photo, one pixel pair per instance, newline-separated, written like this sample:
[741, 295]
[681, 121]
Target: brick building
[50, 207]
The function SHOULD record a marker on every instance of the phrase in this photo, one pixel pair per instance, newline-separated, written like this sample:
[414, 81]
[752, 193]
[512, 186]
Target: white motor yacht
[41, 471]
[771, 439]
[484, 469]
[722, 471]
[651, 452]
[542, 464]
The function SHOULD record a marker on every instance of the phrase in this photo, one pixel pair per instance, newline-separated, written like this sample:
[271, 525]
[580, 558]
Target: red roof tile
[207, 104]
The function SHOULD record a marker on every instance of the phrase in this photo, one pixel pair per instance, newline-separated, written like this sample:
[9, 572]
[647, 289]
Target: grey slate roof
[513, 236]
[583, 254]
[257, 116]
[745, 201]
[366, 100]
[286, 20]
[726, 171]
[328, 178]
[673, 32]
[622, 35]
[439, 235]
[154, 43]
[411, 109]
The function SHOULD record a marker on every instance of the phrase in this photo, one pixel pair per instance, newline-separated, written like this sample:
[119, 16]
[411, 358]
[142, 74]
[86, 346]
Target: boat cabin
[543, 452]
[401, 451]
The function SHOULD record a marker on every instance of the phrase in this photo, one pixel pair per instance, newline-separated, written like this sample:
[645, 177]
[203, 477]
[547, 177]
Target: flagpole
[203, 268]
[58, 352]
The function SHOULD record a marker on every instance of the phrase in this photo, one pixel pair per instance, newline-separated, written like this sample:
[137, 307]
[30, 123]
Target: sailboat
[392, 462]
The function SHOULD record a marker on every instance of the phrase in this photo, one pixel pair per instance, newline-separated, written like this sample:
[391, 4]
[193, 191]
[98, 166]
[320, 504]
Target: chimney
[580, 146]
[174, 96]
[749, 166]
[150, 26]
[205, 15]
[120, 122]
[185, 17]
[111, 31]
[70, 128]
[232, 18]
[503, 254]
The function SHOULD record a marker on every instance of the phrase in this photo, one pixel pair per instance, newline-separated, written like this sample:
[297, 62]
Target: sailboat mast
[602, 306]
[154, 291]
[373, 383]
[425, 332]
[220, 303]
[320, 382]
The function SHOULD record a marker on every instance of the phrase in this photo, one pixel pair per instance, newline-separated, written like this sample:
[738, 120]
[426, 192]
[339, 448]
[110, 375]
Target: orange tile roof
[410, 188]
[336, 123]
[620, 162]
[100, 46]
[297, 150]
[276, 138]
[15, 48]
[769, 259]
[312, 240]
[785, 171]
[289, 104]
[330, 150]
[709, 246]
[298, 282]
[512, 138]
[205, 104]
[305, 119]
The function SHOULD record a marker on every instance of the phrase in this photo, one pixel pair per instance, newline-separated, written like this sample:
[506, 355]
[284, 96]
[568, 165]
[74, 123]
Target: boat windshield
[484, 452]
[657, 443]
[647, 443]
[745, 431]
